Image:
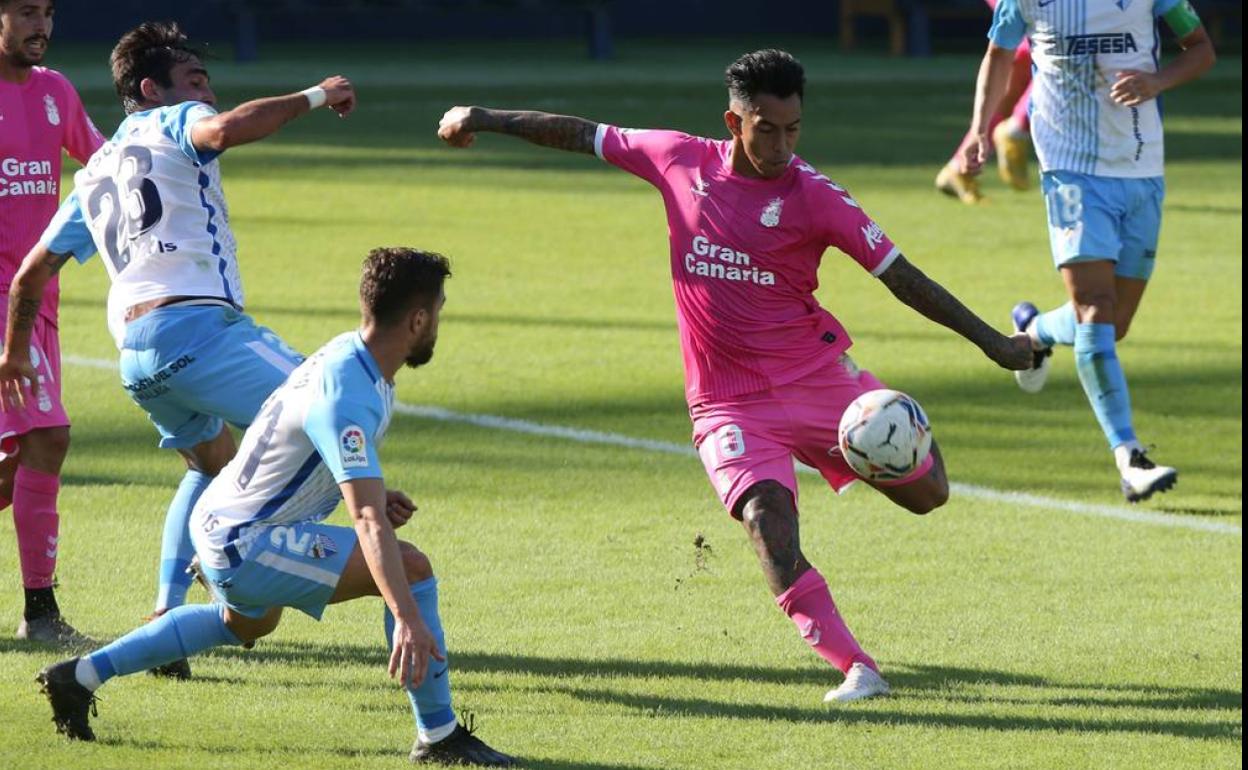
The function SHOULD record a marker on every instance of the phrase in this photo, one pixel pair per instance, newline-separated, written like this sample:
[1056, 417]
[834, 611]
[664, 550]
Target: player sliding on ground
[257, 528]
[150, 201]
[766, 371]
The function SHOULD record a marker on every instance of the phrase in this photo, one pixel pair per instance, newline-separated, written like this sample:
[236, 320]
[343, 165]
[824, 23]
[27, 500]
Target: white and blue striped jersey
[319, 429]
[152, 206]
[1077, 49]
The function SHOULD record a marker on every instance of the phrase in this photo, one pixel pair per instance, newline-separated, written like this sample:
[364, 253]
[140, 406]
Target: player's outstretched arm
[368, 502]
[994, 77]
[25, 297]
[254, 120]
[460, 125]
[911, 286]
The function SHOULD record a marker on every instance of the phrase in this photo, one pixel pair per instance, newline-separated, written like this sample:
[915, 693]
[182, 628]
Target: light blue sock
[1057, 327]
[179, 633]
[175, 547]
[1096, 359]
[431, 701]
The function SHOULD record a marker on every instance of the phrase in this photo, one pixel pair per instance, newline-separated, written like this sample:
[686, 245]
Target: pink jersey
[745, 259]
[37, 119]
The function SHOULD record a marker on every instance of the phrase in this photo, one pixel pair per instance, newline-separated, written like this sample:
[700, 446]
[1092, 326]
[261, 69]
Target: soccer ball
[884, 435]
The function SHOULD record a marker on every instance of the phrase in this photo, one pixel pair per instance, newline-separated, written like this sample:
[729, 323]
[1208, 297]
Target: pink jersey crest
[38, 119]
[745, 257]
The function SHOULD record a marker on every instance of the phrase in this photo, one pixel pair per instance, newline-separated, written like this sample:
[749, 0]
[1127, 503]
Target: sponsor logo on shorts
[150, 387]
[353, 447]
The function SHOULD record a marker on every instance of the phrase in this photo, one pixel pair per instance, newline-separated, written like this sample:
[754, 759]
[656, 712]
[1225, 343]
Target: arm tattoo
[54, 262]
[562, 132]
[23, 312]
[911, 286]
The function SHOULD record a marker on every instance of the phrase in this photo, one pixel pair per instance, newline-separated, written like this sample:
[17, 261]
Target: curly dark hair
[769, 71]
[397, 279]
[150, 50]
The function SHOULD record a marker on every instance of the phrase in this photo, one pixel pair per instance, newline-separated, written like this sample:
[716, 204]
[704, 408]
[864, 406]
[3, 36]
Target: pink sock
[810, 606]
[36, 522]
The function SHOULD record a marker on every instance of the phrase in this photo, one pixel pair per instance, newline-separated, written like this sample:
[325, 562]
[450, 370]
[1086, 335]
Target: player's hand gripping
[339, 95]
[413, 645]
[1014, 353]
[399, 508]
[1133, 87]
[15, 376]
[454, 127]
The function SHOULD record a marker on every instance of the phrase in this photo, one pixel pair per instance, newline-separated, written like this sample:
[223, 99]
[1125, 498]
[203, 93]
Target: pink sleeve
[847, 227]
[82, 138]
[644, 153]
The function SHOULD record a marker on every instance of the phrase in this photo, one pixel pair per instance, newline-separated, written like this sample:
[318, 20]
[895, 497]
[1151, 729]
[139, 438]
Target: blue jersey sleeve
[343, 426]
[67, 233]
[176, 122]
[1008, 25]
[1162, 7]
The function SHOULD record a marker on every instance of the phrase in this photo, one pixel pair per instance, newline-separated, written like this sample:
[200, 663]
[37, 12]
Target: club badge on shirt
[353, 447]
[771, 215]
[49, 106]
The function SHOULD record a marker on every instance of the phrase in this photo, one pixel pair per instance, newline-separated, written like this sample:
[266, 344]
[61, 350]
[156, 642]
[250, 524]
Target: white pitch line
[583, 436]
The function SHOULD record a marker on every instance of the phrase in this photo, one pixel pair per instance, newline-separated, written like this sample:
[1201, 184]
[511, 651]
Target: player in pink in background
[766, 371]
[40, 114]
[1010, 129]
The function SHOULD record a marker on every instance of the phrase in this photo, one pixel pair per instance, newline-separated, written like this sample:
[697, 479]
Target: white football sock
[86, 674]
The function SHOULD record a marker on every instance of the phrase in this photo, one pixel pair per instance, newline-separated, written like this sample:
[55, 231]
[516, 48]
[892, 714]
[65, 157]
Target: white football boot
[861, 682]
[1031, 380]
[1141, 477]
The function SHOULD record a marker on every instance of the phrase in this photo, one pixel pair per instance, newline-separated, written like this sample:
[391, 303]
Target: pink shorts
[757, 436]
[46, 410]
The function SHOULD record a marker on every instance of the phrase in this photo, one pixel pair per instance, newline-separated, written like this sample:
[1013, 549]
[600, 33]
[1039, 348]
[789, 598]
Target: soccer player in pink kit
[40, 113]
[766, 371]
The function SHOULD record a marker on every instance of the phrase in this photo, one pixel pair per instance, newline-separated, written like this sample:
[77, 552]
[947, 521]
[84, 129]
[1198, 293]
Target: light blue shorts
[1100, 217]
[195, 367]
[288, 565]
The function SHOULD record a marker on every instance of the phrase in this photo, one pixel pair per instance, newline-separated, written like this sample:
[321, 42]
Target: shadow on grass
[877, 715]
[911, 682]
[243, 756]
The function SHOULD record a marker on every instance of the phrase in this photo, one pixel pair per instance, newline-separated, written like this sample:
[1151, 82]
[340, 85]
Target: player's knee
[933, 499]
[247, 629]
[209, 457]
[415, 564]
[1094, 306]
[45, 448]
[762, 507]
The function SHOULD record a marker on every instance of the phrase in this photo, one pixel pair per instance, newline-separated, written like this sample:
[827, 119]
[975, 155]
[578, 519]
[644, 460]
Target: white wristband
[316, 97]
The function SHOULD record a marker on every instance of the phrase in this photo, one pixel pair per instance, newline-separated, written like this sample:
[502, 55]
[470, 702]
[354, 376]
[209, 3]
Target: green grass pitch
[585, 628]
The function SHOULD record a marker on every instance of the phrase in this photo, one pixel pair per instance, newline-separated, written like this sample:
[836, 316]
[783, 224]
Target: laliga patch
[353, 447]
[323, 547]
